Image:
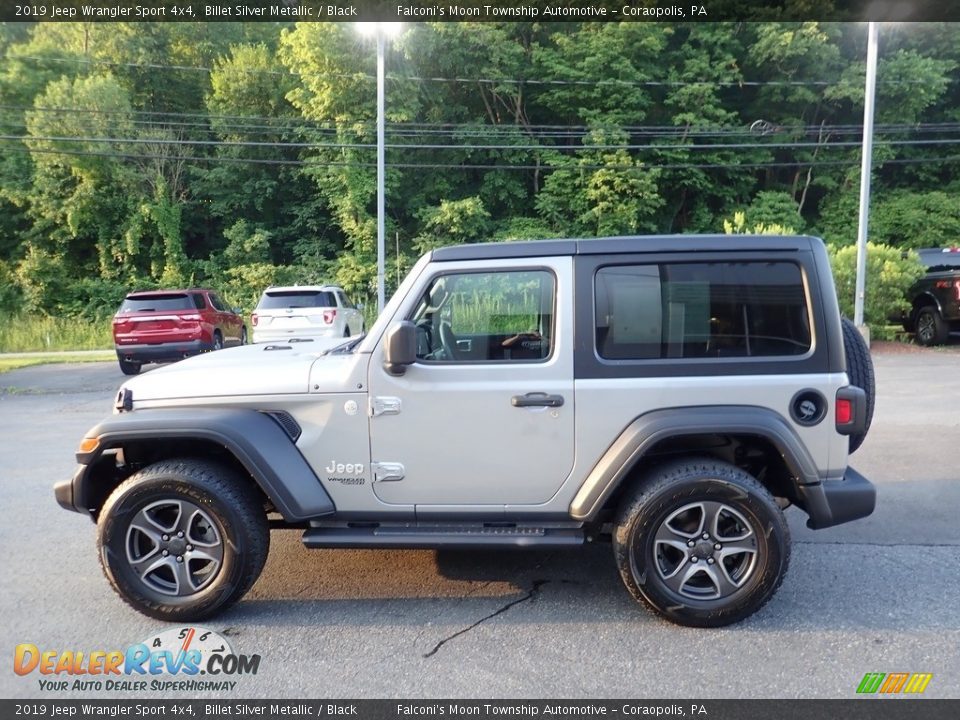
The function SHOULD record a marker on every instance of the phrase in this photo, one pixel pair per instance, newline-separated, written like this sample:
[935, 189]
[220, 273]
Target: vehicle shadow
[829, 587]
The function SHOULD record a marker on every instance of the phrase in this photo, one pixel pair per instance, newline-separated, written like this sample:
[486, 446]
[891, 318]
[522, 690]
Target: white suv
[305, 311]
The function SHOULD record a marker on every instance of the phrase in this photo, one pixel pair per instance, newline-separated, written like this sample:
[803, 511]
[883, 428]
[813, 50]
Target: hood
[274, 369]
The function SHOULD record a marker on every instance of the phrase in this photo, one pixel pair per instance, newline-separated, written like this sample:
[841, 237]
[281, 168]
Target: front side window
[486, 317]
[701, 310]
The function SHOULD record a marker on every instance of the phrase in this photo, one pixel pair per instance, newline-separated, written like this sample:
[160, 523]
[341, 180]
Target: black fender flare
[922, 300]
[649, 429]
[254, 438]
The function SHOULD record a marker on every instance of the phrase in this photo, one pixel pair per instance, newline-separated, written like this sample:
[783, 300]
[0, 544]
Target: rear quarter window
[701, 310]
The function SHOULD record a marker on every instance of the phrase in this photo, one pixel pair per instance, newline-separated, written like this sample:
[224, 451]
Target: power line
[573, 167]
[473, 148]
[464, 80]
[457, 128]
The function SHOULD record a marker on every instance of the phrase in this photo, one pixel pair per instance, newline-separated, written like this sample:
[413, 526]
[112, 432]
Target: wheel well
[754, 454]
[923, 301]
[127, 457]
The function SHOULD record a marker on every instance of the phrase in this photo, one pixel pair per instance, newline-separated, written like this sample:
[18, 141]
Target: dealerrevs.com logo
[173, 660]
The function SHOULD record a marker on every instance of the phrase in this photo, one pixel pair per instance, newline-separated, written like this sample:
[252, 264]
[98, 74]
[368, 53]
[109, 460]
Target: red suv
[165, 325]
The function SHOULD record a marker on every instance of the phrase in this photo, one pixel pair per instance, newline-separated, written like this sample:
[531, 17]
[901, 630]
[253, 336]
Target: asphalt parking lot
[879, 595]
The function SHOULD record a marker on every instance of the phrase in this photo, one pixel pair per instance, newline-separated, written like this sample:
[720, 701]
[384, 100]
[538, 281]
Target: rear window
[937, 260]
[701, 310]
[158, 303]
[283, 299]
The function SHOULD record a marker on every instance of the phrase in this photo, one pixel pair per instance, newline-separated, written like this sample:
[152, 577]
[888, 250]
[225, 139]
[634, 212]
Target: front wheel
[183, 539]
[701, 543]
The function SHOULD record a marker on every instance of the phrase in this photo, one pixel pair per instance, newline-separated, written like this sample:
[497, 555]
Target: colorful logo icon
[894, 683]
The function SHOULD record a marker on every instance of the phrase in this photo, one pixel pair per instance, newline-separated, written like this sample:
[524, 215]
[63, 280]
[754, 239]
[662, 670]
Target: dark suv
[935, 298]
[165, 325]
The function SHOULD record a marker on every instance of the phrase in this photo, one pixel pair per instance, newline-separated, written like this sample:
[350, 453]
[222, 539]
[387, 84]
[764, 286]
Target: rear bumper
[833, 502]
[162, 352]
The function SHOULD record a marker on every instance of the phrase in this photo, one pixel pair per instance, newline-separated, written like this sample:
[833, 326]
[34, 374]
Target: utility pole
[866, 165]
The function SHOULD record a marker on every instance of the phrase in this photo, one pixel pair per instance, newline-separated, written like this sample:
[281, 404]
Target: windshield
[283, 299]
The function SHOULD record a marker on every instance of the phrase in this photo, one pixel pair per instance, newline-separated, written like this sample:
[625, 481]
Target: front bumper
[162, 352]
[833, 502]
[77, 494]
[63, 491]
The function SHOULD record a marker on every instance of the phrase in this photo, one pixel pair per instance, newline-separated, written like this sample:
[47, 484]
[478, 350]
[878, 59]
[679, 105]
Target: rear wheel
[243, 335]
[701, 543]
[183, 539]
[129, 367]
[932, 329]
[217, 340]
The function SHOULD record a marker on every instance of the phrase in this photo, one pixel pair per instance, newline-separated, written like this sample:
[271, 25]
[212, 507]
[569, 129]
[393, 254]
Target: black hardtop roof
[626, 244]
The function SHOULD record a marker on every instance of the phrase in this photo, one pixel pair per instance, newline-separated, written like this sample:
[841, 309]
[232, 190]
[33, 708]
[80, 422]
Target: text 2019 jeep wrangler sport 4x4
[671, 394]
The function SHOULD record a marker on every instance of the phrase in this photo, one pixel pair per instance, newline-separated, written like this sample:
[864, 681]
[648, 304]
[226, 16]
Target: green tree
[888, 277]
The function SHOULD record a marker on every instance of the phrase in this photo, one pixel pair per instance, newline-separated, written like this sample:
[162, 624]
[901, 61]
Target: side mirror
[400, 347]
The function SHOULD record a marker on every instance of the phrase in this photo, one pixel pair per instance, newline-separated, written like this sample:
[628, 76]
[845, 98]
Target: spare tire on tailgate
[860, 372]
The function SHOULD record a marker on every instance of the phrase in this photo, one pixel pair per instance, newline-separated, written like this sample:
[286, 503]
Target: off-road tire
[129, 367]
[673, 486]
[230, 500]
[860, 373]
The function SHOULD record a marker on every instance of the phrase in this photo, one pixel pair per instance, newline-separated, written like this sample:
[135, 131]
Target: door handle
[536, 399]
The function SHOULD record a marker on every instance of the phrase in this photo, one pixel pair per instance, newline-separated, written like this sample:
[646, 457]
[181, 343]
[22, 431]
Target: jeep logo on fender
[342, 468]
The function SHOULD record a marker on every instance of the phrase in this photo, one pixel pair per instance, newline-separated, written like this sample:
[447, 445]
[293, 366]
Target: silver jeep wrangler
[669, 394]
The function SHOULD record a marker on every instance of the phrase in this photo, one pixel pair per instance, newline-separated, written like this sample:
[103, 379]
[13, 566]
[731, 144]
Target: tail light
[850, 410]
[329, 316]
[254, 318]
[844, 411]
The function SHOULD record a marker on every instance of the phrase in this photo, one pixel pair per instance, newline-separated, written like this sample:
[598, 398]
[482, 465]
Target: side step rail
[451, 537]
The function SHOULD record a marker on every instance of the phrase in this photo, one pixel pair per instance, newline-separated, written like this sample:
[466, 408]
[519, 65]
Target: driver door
[485, 415]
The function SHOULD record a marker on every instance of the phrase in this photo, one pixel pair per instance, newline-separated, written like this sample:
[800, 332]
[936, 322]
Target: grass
[37, 333]
[7, 364]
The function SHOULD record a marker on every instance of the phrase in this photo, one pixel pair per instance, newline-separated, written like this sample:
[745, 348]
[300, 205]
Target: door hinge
[387, 471]
[384, 405]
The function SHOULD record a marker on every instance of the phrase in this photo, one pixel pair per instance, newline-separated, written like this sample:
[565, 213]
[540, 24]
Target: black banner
[856, 709]
[475, 10]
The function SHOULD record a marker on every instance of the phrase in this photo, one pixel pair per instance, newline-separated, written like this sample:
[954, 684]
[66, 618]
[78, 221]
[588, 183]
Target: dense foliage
[239, 155]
